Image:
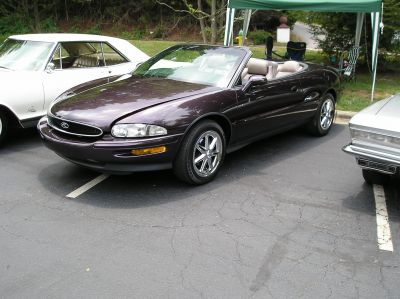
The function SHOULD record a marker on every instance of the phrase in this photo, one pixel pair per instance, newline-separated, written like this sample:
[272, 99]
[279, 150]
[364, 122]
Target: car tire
[201, 154]
[3, 127]
[322, 122]
[373, 177]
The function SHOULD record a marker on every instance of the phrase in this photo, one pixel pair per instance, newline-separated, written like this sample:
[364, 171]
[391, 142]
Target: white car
[36, 68]
[375, 140]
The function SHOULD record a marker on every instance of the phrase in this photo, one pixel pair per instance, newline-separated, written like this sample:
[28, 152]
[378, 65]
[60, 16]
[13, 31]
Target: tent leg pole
[246, 23]
[375, 17]
[228, 38]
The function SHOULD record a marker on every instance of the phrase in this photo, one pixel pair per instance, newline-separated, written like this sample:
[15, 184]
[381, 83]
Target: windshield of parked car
[22, 55]
[208, 65]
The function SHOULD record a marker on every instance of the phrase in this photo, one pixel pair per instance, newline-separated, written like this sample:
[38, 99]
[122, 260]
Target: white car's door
[22, 92]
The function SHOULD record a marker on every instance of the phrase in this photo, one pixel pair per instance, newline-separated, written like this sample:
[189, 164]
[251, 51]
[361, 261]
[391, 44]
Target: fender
[209, 115]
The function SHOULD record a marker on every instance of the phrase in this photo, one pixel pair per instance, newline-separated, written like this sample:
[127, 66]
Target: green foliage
[74, 29]
[49, 25]
[94, 30]
[13, 24]
[158, 31]
[333, 31]
[339, 29]
[135, 34]
[258, 37]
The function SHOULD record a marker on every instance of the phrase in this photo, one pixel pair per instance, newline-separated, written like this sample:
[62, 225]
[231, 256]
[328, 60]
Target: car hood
[383, 115]
[101, 106]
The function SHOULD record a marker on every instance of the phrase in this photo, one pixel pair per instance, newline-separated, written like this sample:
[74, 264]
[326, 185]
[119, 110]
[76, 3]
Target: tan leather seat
[288, 68]
[255, 67]
[86, 61]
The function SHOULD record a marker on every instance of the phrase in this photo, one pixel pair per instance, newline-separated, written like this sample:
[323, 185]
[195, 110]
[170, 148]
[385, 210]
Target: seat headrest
[290, 66]
[257, 66]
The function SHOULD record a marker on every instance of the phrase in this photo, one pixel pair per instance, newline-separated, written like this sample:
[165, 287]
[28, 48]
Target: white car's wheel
[3, 126]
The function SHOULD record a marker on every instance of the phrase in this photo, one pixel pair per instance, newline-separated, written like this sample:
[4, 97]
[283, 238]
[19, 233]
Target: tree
[210, 15]
[335, 31]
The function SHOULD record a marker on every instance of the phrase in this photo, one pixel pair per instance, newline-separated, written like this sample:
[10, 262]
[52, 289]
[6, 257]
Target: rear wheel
[3, 126]
[201, 154]
[373, 177]
[323, 120]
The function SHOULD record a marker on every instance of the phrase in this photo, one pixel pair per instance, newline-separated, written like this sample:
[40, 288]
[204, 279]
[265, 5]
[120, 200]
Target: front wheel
[201, 154]
[3, 127]
[323, 120]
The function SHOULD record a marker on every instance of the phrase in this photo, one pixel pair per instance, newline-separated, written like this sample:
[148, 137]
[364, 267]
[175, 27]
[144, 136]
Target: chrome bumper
[373, 159]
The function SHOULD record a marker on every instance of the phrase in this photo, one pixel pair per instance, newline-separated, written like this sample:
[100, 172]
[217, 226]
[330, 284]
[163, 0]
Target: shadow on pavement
[20, 140]
[155, 188]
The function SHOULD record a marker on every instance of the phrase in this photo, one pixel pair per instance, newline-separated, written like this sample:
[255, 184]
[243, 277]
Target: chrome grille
[73, 128]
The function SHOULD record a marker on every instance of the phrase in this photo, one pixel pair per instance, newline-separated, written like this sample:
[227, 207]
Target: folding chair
[347, 71]
[294, 50]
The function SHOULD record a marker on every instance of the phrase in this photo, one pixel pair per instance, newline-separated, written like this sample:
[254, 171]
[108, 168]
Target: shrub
[94, 30]
[258, 37]
[158, 31]
[132, 35]
[49, 25]
[74, 29]
[13, 24]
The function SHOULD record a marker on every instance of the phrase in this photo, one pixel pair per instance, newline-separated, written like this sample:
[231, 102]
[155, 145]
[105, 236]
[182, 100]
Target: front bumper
[374, 159]
[110, 155]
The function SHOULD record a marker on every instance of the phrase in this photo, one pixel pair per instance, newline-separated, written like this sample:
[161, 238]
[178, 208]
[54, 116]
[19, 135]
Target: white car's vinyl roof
[126, 48]
[61, 37]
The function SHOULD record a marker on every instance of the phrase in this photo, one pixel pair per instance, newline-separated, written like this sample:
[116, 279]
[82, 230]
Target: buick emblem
[64, 125]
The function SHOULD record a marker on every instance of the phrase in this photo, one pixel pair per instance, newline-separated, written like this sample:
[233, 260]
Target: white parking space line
[382, 220]
[88, 186]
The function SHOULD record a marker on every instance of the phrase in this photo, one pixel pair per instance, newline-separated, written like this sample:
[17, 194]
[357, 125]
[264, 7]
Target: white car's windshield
[206, 65]
[20, 55]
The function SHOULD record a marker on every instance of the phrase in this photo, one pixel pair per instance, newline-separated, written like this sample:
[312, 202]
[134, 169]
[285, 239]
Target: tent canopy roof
[310, 5]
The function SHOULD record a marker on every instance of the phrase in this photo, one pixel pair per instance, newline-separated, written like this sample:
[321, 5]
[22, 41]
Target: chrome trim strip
[357, 151]
[294, 112]
[76, 122]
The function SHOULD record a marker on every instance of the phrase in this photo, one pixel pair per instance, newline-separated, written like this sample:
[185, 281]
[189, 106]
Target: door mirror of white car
[50, 67]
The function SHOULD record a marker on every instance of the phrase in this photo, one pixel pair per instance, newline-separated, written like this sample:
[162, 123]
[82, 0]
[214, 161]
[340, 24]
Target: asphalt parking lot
[287, 217]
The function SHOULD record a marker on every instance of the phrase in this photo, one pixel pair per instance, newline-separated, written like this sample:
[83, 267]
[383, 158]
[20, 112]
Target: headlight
[372, 137]
[137, 130]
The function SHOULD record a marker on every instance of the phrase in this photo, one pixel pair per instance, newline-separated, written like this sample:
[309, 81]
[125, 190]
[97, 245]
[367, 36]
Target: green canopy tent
[361, 7]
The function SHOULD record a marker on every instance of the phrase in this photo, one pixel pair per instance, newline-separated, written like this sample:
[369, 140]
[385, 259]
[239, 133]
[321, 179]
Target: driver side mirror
[50, 67]
[254, 81]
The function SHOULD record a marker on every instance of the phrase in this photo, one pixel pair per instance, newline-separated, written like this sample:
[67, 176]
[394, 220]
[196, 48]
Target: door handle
[294, 88]
[312, 96]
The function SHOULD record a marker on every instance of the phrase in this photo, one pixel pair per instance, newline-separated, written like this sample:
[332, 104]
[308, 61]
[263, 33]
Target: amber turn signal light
[149, 151]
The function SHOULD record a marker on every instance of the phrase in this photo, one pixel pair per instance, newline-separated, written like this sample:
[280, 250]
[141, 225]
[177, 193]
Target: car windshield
[21, 55]
[214, 66]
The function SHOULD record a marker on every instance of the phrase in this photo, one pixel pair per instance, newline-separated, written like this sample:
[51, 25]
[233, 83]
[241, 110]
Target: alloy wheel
[327, 114]
[207, 153]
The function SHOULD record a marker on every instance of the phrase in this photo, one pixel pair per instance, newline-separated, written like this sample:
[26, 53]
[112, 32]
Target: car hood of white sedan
[383, 115]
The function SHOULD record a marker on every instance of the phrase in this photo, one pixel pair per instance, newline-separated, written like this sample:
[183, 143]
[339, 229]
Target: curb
[344, 116]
